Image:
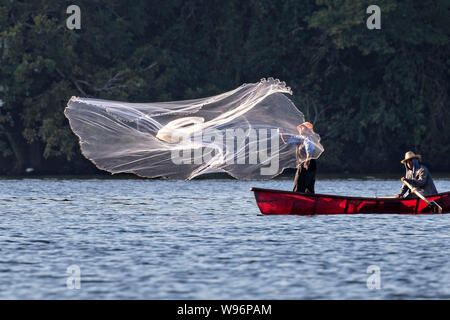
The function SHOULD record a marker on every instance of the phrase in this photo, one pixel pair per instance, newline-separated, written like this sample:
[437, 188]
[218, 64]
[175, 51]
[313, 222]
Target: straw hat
[411, 155]
[308, 125]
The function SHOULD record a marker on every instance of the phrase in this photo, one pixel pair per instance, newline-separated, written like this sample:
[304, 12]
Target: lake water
[203, 239]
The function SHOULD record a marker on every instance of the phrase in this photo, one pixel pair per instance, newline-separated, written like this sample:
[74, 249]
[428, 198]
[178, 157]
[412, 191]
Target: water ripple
[144, 239]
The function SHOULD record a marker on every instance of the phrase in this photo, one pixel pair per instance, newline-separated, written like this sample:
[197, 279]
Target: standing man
[305, 177]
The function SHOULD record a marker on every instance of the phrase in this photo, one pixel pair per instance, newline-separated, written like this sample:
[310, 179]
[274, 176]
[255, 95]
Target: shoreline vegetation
[372, 95]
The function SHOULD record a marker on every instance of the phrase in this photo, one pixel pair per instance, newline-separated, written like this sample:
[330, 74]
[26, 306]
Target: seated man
[417, 175]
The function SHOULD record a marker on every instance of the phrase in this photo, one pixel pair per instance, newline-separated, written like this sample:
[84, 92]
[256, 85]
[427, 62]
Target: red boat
[286, 202]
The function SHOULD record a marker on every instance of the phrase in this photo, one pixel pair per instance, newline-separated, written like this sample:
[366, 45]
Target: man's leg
[300, 180]
[310, 181]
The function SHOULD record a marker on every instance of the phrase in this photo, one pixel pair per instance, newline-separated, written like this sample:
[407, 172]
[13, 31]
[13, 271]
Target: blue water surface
[204, 239]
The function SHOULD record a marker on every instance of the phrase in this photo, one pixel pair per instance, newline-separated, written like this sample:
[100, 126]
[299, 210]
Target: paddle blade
[435, 207]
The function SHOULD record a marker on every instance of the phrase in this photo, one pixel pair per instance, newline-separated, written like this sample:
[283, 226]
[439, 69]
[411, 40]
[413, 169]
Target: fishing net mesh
[234, 132]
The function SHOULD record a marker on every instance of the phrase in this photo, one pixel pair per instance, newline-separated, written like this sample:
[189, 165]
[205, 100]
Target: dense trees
[372, 94]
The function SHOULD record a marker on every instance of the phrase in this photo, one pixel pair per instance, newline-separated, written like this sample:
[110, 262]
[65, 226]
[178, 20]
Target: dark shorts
[305, 179]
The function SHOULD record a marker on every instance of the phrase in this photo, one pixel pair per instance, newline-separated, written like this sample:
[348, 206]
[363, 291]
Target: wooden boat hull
[276, 202]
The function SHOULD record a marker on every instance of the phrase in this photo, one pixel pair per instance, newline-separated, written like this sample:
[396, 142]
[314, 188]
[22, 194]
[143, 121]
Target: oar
[433, 205]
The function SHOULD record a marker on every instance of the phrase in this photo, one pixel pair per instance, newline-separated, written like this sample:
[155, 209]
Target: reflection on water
[143, 239]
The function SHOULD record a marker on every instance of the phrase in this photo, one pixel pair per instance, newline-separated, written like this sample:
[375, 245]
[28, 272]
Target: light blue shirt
[309, 144]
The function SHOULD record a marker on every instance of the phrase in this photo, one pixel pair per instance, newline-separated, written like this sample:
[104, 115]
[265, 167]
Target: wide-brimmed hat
[308, 125]
[411, 155]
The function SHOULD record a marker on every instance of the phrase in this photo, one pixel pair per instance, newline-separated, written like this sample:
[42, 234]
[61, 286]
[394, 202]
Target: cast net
[234, 132]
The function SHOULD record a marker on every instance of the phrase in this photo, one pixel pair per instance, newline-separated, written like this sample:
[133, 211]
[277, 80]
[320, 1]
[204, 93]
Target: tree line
[371, 94]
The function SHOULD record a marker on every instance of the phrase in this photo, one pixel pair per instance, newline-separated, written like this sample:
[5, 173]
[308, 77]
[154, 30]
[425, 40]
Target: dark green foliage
[372, 94]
